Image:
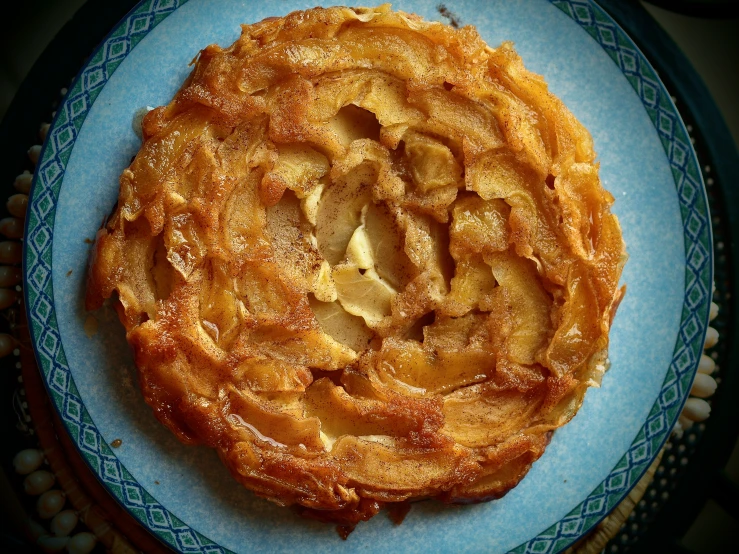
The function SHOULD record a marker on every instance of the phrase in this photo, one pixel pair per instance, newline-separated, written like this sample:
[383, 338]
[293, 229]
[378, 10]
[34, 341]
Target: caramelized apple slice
[350, 330]
[393, 473]
[478, 416]
[289, 234]
[385, 235]
[363, 294]
[432, 163]
[521, 306]
[267, 375]
[221, 313]
[359, 249]
[339, 214]
[473, 281]
[433, 371]
[352, 123]
[298, 168]
[478, 226]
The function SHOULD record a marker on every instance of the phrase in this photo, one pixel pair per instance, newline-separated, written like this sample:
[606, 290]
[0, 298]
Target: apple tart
[365, 257]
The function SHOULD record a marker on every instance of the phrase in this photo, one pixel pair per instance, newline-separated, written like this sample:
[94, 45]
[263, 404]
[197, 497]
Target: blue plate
[183, 494]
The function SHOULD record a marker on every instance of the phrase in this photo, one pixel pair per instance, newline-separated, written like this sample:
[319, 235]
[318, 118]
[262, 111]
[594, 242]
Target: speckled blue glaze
[184, 494]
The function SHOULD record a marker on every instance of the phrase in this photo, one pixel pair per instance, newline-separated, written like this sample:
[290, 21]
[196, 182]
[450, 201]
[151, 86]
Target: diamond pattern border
[39, 287]
[174, 532]
[698, 280]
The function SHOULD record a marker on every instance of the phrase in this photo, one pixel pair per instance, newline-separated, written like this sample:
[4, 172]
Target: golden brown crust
[365, 257]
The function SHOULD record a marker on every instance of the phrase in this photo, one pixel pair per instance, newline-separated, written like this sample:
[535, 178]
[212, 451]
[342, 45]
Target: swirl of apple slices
[367, 258]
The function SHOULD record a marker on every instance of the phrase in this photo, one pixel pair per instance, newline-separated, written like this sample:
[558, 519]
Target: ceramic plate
[183, 494]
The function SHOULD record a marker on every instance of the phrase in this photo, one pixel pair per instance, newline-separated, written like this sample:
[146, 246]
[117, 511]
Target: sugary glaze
[367, 258]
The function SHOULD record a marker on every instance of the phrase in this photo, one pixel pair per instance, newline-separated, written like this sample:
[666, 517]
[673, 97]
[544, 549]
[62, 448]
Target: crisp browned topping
[365, 257]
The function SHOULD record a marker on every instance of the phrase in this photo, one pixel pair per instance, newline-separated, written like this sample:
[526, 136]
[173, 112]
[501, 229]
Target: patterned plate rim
[44, 330]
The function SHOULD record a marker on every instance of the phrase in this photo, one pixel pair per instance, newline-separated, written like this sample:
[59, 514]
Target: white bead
[12, 227]
[714, 311]
[7, 344]
[63, 523]
[38, 482]
[52, 544]
[17, 205]
[8, 297]
[23, 182]
[696, 409]
[34, 152]
[43, 131]
[50, 503]
[27, 461]
[706, 365]
[11, 252]
[685, 423]
[711, 338]
[81, 543]
[703, 386]
[10, 275]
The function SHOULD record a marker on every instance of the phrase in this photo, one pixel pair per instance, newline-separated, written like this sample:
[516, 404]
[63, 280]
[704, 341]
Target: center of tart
[361, 245]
